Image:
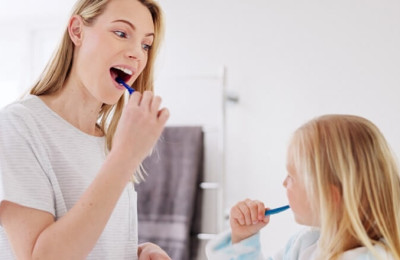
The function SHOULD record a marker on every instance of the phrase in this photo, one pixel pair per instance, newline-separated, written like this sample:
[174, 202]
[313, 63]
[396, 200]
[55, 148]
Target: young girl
[343, 183]
[69, 150]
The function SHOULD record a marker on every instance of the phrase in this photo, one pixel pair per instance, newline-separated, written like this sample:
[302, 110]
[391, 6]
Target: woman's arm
[150, 251]
[35, 235]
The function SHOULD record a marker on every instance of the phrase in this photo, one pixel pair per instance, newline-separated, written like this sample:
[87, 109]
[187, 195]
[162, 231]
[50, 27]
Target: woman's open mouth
[122, 73]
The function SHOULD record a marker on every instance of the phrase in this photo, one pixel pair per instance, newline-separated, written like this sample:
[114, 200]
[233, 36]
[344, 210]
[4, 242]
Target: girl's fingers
[253, 207]
[249, 212]
[237, 215]
[246, 213]
[260, 211]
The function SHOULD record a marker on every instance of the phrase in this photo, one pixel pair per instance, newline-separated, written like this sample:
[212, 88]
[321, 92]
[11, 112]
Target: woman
[68, 151]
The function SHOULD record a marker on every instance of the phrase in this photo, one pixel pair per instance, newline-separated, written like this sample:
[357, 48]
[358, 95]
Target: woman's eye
[146, 47]
[120, 34]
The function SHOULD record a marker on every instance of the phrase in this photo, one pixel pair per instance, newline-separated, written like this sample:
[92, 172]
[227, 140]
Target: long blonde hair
[349, 153]
[59, 67]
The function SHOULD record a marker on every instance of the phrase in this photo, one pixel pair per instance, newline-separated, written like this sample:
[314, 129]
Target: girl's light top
[302, 246]
[46, 164]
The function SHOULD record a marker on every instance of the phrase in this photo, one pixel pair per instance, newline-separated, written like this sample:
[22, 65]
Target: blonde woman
[343, 183]
[69, 150]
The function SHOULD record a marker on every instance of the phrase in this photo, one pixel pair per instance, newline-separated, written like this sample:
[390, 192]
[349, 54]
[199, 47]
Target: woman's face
[297, 196]
[116, 44]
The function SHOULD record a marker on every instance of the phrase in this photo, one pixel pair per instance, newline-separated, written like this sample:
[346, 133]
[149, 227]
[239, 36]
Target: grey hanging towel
[169, 199]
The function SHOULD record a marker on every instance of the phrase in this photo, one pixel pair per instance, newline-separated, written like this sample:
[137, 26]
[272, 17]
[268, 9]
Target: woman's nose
[135, 51]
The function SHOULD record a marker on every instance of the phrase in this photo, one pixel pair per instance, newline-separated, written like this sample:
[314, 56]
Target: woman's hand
[247, 218]
[150, 251]
[139, 128]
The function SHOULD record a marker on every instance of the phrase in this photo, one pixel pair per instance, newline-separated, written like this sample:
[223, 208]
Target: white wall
[30, 30]
[287, 60]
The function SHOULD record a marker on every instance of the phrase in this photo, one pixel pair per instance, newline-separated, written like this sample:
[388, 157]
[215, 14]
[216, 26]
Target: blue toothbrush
[277, 210]
[121, 82]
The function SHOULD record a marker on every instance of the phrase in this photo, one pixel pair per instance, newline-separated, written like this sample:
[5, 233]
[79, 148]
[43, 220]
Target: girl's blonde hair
[58, 69]
[349, 156]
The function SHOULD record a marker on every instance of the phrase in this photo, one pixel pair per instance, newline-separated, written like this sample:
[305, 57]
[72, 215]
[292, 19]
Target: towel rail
[191, 110]
[210, 185]
[205, 236]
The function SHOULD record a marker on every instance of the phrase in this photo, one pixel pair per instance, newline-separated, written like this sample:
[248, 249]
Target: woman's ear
[75, 27]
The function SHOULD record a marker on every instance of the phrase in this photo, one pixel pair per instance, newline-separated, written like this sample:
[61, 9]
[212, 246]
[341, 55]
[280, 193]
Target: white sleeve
[23, 178]
[299, 246]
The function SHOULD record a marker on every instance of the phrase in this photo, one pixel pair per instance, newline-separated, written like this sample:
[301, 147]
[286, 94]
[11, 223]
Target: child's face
[297, 197]
[119, 39]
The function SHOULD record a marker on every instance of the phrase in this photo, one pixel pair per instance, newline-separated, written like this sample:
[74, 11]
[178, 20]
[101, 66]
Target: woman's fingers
[147, 99]
[155, 104]
[149, 102]
[135, 99]
[142, 100]
[163, 115]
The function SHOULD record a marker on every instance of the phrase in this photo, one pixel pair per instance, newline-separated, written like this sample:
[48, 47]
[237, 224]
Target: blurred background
[249, 73]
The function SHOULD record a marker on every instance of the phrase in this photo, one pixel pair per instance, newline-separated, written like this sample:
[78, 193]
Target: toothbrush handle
[276, 210]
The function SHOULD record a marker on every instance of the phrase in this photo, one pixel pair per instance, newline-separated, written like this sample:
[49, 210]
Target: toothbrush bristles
[121, 82]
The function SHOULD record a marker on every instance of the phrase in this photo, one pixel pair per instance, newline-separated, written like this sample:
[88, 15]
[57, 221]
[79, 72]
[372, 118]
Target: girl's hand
[139, 128]
[150, 251]
[247, 218]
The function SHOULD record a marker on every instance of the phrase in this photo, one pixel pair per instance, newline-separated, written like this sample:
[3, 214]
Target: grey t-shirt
[46, 164]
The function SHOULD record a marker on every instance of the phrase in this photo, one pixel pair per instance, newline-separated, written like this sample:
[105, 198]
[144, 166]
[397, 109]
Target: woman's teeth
[124, 70]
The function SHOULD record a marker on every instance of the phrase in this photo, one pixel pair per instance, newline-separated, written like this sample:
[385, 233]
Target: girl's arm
[35, 235]
[243, 241]
[246, 219]
[221, 247]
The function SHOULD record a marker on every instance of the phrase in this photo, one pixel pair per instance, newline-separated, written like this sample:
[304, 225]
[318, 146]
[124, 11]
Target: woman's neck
[76, 107]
